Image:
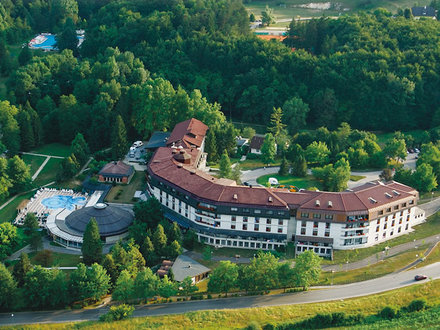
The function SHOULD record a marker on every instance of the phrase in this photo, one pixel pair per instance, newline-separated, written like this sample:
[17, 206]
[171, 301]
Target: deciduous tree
[223, 278]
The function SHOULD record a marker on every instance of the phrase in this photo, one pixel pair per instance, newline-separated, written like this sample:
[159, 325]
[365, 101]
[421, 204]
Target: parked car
[131, 154]
[416, 150]
[137, 144]
[420, 277]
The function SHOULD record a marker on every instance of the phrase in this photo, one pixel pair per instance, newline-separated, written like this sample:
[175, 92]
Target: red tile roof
[116, 169]
[188, 133]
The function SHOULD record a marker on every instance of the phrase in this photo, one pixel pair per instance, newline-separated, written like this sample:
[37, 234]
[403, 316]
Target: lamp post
[333, 272]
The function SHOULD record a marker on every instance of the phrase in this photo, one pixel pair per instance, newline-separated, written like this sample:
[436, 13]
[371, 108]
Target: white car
[137, 144]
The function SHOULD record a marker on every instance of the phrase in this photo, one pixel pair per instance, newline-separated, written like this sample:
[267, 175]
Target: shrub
[387, 313]
[269, 326]
[209, 296]
[253, 156]
[416, 305]
[117, 313]
[253, 326]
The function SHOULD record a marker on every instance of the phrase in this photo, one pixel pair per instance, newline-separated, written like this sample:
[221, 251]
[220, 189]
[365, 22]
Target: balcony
[207, 214]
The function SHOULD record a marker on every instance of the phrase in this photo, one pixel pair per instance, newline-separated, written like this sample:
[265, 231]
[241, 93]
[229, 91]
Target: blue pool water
[49, 43]
[63, 202]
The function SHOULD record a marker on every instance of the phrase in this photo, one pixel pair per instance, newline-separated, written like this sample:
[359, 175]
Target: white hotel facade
[224, 214]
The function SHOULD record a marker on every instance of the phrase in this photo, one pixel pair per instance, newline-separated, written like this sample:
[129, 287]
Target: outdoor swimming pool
[47, 42]
[63, 202]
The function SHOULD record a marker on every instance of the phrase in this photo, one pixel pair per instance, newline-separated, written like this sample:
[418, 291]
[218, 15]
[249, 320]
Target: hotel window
[391, 234]
[316, 216]
[244, 226]
[329, 216]
[304, 215]
[384, 235]
[411, 202]
[268, 229]
[392, 223]
[396, 207]
[257, 220]
[303, 231]
[327, 225]
[245, 219]
[303, 223]
[398, 230]
[280, 212]
[280, 222]
[404, 205]
[407, 218]
[232, 226]
[389, 209]
[233, 218]
[400, 221]
[234, 209]
[378, 221]
[257, 211]
[269, 212]
[380, 212]
[186, 206]
[327, 234]
[256, 227]
[315, 224]
[268, 221]
[406, 227]
[377, 229]
[385, 226]
[315, 233]
[246, 210]
[280, 230]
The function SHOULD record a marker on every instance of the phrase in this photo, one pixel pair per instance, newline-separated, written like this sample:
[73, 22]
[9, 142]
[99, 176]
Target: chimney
[330, 204]
[317, 203]
[235, 197]
[270, 199]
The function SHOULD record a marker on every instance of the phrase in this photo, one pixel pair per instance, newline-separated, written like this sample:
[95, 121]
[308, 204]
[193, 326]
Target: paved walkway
[40, 168]
[42, 155]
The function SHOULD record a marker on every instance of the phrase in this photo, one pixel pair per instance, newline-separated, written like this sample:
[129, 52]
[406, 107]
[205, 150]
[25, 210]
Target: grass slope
[48, 173]
[53, 149]
[33, 161]
[127, 191]
[239, 318]
[9, 212]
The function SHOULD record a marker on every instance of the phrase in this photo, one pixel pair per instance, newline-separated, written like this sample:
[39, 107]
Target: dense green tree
[268, 149]
[223, 278]
[8, 239]
[317, 153]
[284, 167]
[248, 132]
[211, 145]
[386, 174]
[187, 287]
[69, 167]
[21, 268]
[267, 16]
[395, 149]
[286, 276]
[26, 132]
[25, 56]
[98, 282]
[119, 139]
[190, 239]
[424, 179]
[8, 289]
[236, 173]
[174, 233]
[67, 39]
[295, 113]
[124, 289]
[80, 149]
[225, 165]
[109, 265]
[276, 125]
[307, 269]
[19, 174]
[146, 284]
[30, 223]
[148, 253]
[167, 288]
[149, 212]
[92, 246]
[35, 241]
[135, 260]
[174, 250]
[159, 240]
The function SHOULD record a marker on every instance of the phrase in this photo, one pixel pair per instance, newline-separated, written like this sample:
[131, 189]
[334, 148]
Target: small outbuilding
[118, 172]
[424, 11]
[256, 144]
[185, 266]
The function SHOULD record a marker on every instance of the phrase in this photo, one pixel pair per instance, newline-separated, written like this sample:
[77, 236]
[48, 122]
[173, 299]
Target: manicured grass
[357, 177]
[9, 212]
[48, 173]
[251, 164]
[379, 269]
[227, 252]
[60, 259]
[429, 228]
[301, 183]
[240, 318]
[433, 257]
[33, 161]
[127, 191]
[53, 149]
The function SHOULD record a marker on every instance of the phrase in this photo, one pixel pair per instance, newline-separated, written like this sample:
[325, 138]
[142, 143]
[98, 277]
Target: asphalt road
[336, 292]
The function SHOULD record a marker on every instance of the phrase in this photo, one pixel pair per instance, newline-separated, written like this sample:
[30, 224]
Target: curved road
[337, 292]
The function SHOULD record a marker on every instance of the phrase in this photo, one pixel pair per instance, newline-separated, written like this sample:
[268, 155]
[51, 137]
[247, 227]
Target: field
[48, 173]
[59, 259]
[9, 212]
[301, 183]
[126, 191]
[240, 318]
[288, 9]
[33, 161]
[53, 149]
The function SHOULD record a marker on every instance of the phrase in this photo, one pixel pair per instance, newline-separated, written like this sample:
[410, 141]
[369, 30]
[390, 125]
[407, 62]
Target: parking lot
[136, 155]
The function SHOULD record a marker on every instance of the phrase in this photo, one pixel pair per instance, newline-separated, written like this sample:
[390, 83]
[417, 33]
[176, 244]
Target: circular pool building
[67, 228]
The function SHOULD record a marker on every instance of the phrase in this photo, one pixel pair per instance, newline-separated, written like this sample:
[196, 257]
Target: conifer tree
[21, 268]
[284, 167]
[119, 139]
[92, 245]
[225, 165]
[211, 145]
[276, 125]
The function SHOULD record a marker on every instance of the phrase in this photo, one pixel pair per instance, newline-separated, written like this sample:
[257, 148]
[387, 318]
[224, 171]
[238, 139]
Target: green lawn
[251, 164]
[383, 138]
[9, 212]
[301, 183]
[429, 228]
[33, 161]
[49, 172]
[357, 177]
[53, 149]
[60, 259]
[126, 191]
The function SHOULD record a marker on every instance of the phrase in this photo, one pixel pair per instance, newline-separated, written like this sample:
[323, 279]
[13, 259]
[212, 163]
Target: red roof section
[116, 168]
[188, 133]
